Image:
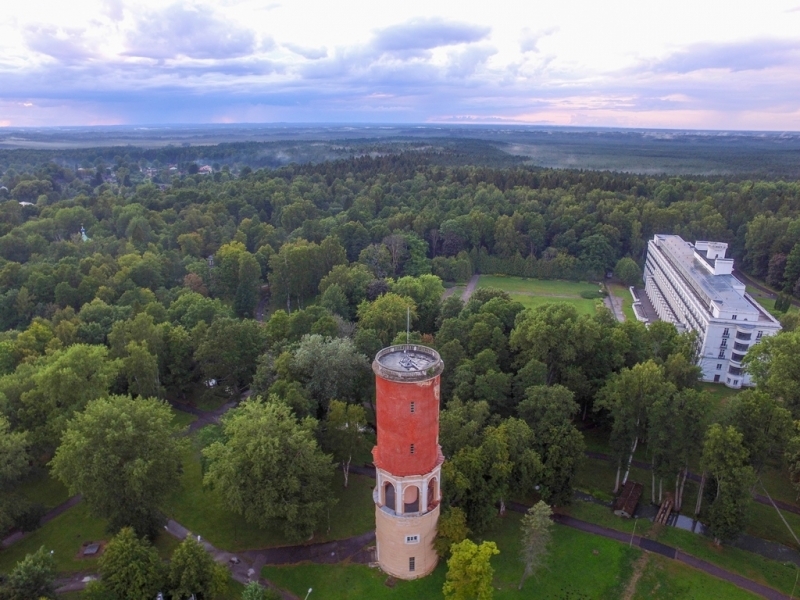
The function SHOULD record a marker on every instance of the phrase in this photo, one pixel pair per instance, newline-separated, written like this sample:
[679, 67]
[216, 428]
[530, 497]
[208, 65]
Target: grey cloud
[113, 9]
[426, 34]
[737, 56]
[529, 40]
[178, 31]
[309, 53]
[63, 45]
[465, 63]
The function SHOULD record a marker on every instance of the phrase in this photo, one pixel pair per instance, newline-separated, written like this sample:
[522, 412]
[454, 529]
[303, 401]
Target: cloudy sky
[697, 64]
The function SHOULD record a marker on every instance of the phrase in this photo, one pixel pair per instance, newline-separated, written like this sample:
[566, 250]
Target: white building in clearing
[692, 286]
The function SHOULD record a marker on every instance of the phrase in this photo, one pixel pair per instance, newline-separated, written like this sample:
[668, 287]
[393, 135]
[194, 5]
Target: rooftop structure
[693, 287]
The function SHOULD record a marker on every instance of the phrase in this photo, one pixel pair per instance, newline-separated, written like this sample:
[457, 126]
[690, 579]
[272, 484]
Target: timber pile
[625, 504]
[665, 510]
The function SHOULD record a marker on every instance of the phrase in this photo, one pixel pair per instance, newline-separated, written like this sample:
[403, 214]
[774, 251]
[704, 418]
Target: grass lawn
[752, 566]
[537, 287]
[202, 512]
[605, 566]
[720, 394]
[182, 419]
[536, 292]
[65, 535]
[667, 579]
[779, 575]
[40, 487]
[776, 479]
[602, 515]
[620, 291]
[765, 523]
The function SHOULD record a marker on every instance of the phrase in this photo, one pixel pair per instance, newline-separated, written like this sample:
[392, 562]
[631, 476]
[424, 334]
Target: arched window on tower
[433, 493]
[388, 496]
[411, 499]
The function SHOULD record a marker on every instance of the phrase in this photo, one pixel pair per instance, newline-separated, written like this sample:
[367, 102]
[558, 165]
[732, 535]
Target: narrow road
[468, 291]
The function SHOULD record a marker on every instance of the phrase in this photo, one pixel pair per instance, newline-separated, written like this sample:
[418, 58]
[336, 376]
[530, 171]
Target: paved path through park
[473, 283]
[251, 561]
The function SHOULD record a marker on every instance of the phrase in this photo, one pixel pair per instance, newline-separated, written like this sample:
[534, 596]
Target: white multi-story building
[692, 286]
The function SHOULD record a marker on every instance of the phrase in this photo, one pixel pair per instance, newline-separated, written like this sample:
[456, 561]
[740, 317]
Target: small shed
[625, 504]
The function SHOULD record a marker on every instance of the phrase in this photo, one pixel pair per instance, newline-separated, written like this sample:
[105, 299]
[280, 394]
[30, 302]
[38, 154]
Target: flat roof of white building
[724, 290]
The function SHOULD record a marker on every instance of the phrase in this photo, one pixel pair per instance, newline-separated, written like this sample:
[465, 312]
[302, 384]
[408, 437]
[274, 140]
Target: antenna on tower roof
[408, 324]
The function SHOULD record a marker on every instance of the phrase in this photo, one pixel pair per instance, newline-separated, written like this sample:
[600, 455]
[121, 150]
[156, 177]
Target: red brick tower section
[408, 459]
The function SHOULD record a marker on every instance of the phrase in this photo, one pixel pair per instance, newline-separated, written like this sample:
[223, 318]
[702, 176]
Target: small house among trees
[625, 504]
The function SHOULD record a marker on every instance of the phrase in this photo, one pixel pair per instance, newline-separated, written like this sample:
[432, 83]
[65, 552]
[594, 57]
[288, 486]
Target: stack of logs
[666, 509]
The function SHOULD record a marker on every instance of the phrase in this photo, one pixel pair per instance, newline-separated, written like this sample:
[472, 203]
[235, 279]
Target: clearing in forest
[536, 292]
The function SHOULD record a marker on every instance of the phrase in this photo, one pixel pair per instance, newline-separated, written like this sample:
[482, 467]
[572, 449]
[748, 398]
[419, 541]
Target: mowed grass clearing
[667, 579]
[537, 292]
[537, 287]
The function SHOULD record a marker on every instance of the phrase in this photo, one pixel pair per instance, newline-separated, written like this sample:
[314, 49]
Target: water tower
[408, 459]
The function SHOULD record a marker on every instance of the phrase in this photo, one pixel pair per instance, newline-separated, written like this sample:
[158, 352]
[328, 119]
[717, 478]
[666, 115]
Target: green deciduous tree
[34, 577]
[451, 529]
[229, 352]
[765, 425]
[123, 456]
[726, 459]
[59, 385]
[627, 271]
[14, 463]
[676, 427]
[628, 396]
[192, 571]
[270, 469]
[387, 315]
[330, 368]
[549, 411]
[775, 369]
[344, 434]
[536, 529]
[469, 571]
[130, 568]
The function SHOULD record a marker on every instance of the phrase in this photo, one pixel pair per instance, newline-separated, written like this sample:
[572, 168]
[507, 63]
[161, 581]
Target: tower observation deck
[407, 458]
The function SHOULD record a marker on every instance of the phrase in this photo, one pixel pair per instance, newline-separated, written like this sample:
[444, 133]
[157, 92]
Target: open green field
[775, 574]
[537, 292]
[666, 579]
[536, 287]
[201, 510]
[65, 535]
[769, 572]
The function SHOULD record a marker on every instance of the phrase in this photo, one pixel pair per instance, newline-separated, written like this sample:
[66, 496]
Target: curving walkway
[251, 561]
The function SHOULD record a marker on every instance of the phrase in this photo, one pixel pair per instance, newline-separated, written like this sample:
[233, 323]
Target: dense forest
[128, 279]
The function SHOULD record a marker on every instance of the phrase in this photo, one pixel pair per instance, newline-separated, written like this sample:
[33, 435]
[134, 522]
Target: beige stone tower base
[406, 517]
[394, 554]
